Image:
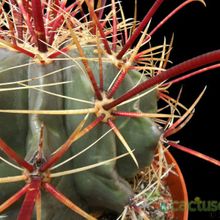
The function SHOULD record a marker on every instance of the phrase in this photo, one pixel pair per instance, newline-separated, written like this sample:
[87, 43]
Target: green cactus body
[22, 132]
[13, 125]
[13, 128]
[105, 178]
[81, 71]
[106, 183]
[54, 134]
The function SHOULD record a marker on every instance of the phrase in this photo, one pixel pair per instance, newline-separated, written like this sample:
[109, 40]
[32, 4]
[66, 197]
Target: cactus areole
[75, 99]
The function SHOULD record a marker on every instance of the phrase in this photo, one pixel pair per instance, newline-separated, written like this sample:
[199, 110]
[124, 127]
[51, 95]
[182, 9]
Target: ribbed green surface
[105, 187]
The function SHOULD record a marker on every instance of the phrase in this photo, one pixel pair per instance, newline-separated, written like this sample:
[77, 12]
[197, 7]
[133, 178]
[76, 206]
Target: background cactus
[74, 71]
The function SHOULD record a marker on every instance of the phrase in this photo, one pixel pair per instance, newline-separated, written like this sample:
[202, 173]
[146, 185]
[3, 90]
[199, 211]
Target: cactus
[73, 92]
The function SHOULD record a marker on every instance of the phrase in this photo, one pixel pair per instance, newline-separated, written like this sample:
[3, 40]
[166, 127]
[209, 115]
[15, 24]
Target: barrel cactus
[73, 91]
